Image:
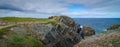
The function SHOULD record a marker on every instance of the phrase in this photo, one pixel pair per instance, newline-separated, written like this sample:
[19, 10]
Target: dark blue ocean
[99, 24]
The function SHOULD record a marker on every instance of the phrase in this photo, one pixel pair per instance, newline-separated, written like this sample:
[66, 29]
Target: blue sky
[71, 8]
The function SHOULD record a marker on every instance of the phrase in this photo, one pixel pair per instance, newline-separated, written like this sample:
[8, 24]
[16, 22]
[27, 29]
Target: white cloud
[38, 8]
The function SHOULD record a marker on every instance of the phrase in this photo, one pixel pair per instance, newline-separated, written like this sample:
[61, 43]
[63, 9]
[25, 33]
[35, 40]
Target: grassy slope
[16, 19]
[34, 20]
[10, 39]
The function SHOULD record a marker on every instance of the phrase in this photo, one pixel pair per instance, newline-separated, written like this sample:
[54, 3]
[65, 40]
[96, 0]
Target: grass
[17, 42]
[34, 42]
[50, 21]
[24, 41]
[16, 19]
[17, 39]
[38, 20]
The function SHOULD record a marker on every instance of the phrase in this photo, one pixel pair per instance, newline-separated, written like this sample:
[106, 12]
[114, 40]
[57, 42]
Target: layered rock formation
[58, 31]
[64, 34]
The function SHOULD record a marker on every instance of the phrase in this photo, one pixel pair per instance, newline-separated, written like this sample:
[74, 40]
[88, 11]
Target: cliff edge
[56, 31]
[108, 38]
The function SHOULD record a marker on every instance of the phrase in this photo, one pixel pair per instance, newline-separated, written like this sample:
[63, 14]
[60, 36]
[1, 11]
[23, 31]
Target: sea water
[99, 24]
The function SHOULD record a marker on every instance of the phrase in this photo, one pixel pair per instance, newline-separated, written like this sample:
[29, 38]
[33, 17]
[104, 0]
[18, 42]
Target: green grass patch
[17, 42]
[17, 39]
[24, 41]
[52, 21]
[16, 19]
[34, 42]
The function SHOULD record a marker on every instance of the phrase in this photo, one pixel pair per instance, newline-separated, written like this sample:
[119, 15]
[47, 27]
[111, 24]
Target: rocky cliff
[108, 38]
[63, 34]
[56, 31]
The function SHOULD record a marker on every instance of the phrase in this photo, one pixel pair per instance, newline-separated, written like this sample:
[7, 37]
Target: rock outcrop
[113, 27]
[58, 31]
[64, 34]
[108, 38]
[88, 31]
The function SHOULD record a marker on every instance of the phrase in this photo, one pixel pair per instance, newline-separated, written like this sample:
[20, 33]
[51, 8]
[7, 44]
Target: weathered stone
[88, 31]
[64, 34]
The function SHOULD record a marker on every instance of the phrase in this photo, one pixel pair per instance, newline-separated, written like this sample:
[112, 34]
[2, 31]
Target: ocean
[99, 24]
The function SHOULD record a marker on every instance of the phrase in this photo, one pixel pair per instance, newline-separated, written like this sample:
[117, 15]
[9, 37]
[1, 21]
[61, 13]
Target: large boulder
[88, 31]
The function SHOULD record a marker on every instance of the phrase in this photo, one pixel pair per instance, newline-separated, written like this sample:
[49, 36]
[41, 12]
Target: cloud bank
[72, 8]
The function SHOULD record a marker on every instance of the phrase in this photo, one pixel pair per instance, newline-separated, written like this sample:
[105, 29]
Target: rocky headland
[56, 31]
[108, 38]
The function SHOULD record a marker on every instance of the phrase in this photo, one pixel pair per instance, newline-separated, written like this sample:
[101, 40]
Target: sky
[71, 8]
